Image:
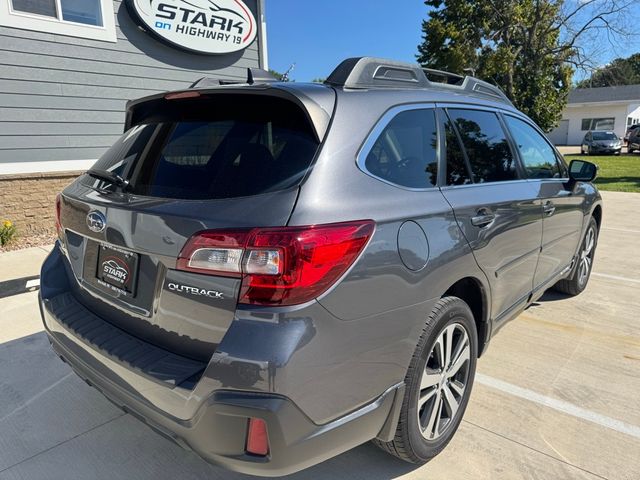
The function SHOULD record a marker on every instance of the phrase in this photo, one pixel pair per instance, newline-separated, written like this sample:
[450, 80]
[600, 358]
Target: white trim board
[40, 23]
[13, 168]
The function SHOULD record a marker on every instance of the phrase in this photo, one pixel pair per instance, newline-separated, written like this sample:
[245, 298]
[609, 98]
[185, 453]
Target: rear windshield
[604, 136]
[224, 147]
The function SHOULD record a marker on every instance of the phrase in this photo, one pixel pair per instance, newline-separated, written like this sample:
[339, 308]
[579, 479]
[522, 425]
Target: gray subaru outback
[270, 274]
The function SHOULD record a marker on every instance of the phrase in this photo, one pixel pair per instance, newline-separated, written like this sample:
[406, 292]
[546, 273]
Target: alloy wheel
[586, 256]
[444, 381]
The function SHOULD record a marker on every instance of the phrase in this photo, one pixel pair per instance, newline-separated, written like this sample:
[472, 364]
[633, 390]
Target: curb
[19, 285]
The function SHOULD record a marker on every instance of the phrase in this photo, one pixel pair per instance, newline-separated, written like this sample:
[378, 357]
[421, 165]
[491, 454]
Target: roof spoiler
[254, 76]
[371, 72]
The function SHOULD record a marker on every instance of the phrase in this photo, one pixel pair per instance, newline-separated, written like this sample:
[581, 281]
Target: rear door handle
[483, 218]
[549, 209]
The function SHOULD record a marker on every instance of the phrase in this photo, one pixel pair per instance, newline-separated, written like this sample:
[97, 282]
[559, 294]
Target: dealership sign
[203, 26]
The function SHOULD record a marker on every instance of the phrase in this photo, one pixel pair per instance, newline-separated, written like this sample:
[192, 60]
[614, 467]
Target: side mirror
[582, 171]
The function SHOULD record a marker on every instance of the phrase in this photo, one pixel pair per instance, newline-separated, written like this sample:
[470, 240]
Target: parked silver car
[270, 274]
[600, 141]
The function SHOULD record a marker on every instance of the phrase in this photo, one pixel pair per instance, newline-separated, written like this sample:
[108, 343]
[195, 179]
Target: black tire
[575, 283]
[409, 443]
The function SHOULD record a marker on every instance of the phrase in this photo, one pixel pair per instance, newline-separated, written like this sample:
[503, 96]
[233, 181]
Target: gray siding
[63, 98]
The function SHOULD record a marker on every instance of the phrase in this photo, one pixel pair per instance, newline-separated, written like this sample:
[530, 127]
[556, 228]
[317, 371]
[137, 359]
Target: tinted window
[538, 156]
[486, 145]
[123, 154]
[405, 151]
[222, 148]
[457, 171]
[604, 136]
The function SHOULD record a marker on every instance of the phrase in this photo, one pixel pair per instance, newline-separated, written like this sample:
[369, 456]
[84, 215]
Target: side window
[486, 145]
[457, 172]
[405, 151]
[538, 156]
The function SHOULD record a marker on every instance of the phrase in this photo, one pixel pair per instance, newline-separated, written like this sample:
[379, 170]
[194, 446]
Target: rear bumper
[212, 423]
[218, 431]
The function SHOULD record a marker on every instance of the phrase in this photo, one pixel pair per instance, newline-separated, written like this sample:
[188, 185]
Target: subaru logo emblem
[96, 221]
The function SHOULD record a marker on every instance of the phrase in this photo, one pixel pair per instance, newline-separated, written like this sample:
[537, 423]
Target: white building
[605, 108]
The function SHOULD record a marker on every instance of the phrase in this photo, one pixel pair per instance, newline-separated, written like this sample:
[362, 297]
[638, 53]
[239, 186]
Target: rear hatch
[188, 162]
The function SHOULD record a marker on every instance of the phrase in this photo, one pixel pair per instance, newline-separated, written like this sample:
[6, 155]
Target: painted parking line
[616, 277]
[621, 230]
[559, 405]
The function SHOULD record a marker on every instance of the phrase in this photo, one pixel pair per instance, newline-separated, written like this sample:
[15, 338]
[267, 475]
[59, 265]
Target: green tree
[526, 47]
[621, 71]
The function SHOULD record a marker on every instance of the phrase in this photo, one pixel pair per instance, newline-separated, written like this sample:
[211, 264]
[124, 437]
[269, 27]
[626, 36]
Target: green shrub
[7, 232]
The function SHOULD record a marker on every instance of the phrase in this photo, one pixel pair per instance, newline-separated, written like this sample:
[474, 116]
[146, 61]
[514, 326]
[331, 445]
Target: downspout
[262, 32]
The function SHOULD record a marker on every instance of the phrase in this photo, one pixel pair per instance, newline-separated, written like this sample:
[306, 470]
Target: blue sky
[317, 35]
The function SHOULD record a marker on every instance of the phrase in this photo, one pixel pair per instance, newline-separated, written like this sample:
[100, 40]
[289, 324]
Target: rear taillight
[280, 265]
[58, 207]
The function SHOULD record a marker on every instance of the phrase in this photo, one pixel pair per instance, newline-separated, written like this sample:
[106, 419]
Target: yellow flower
[7, 224]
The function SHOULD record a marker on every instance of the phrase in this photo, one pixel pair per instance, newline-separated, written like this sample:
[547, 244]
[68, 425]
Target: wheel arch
[476, 295]
[597, 215]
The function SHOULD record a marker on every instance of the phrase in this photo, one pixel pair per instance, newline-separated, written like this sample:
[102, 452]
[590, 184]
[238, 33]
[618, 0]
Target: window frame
[44, 24]
[521, 172]
[378, 128]
[559, 158]
[443, 118]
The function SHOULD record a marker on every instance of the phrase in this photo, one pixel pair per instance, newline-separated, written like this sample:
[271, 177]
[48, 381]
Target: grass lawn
[617, 173]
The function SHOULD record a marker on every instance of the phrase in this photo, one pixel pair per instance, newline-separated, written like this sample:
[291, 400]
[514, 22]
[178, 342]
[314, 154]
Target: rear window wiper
[108, 176]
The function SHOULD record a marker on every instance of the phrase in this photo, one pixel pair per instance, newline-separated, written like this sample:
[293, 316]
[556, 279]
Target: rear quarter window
[405, 151]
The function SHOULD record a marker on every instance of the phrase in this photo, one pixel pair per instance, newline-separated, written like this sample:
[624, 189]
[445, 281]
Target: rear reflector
[257, 438]
[280, 265]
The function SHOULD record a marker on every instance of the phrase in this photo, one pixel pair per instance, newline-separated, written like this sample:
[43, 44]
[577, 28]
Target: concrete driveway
[556, 396]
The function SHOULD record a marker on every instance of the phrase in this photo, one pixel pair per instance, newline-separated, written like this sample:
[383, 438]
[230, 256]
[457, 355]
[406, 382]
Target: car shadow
[53, 425]
[549, 296]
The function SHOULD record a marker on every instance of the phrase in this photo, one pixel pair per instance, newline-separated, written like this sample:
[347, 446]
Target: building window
[91, 19]
[46, 8]
[598, 123]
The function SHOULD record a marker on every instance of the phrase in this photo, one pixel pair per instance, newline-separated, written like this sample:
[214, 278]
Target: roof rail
[451, 78]
[254, 76]
[371, 72]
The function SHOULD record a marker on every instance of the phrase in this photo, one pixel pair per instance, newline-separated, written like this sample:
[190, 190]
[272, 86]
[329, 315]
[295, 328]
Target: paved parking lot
[556, 397]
